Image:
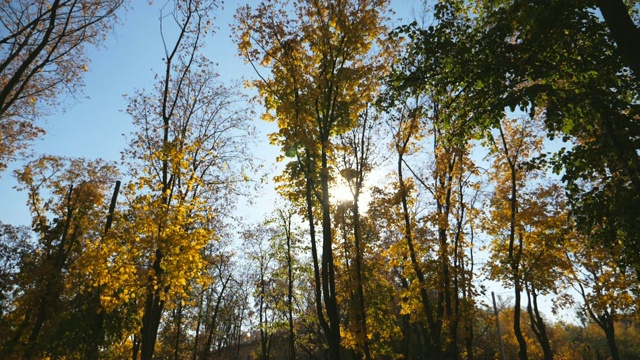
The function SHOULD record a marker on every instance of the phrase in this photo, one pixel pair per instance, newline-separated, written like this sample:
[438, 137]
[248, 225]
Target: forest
[485, 147]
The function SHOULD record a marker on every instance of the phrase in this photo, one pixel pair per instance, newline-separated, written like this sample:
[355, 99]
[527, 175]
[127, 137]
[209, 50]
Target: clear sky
[94, 125]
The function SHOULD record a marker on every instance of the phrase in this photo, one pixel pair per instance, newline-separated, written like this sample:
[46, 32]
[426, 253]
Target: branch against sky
[42, 58]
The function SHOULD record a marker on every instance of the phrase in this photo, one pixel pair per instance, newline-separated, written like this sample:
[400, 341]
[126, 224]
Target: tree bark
[624, 32]
[153, 308]
[537, 323]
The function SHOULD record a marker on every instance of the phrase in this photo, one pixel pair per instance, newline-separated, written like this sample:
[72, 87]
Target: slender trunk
[363, 315]
[609, 331]
[178, 330]
[292, 340]
[537, 323]
[432, 338]
[328, 269]
[522, 344]
[40, 317]
[97, 308]
[514, 259]
[213, 323]
[263, 324]
[150, 324]
[136, 347]
[471, 314]
[153, 308]
[308, 166]
[605, 321]
[196, 337]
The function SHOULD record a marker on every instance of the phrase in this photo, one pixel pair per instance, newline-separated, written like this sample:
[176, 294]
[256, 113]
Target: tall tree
[68, 199]
[187, 159]
[324, 59]
[262, 261]
[560, 56]
[356, 161]
[516, 143]
[42, 56]
[434, 121]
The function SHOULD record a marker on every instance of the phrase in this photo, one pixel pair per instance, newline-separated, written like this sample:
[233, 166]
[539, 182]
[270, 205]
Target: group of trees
[494, 140]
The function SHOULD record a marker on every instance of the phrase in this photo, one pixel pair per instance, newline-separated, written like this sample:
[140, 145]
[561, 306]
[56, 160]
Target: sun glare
[340, 192]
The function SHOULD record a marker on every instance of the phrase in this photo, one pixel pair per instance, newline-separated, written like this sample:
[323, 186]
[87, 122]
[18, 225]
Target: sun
[340, 192]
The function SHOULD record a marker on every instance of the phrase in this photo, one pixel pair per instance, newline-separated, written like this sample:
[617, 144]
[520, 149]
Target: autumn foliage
[492, 148]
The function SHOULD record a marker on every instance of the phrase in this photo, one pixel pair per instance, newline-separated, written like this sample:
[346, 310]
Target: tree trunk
[292, 340]
[623, 30]
[328, 269]
[213, 324]
[609, 331]
[178, 330]
[537, 323]
[363, 314]
[309, 185]
[196, 337]
[514, 258]
[432, 338]
[152, 315]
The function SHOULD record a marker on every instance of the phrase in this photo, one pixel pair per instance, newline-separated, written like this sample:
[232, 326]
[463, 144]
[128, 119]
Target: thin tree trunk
[432, 340]
[152, 315]
[537, 323]
[196, 337]
[610, 333]
[307, 165]
[178, 331]
[213, 324]
[328, 269]
[514, 259]
[363, 314]
[292, 340]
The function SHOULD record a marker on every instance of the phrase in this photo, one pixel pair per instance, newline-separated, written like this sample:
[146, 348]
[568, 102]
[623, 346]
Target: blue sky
[93, 125]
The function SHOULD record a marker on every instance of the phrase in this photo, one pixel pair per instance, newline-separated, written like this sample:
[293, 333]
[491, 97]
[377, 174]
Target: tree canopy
[487, 147]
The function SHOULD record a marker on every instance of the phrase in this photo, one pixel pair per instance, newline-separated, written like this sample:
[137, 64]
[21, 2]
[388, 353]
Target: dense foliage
[494, 145]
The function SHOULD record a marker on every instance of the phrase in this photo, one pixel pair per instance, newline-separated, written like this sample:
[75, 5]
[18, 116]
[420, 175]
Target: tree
[43, 56]
[515, 145]
[260, 255]
[560, 57]
[543, 262]
[15, 246]
[68, 199]
[434, 121]
[215, 297]
[609, 292]
[187, 160]
[357, 160]
[324, 59]
[285, 244]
